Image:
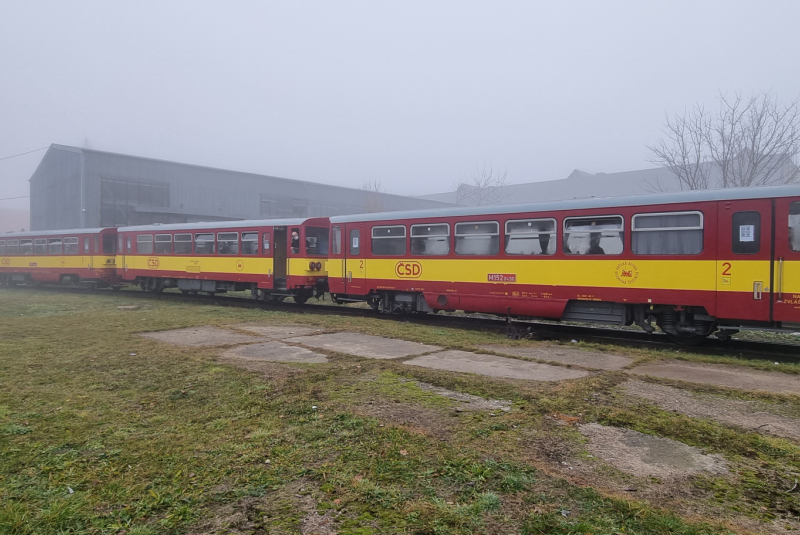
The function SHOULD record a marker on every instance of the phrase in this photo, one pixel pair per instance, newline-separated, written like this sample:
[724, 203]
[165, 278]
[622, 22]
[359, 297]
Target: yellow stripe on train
[701, 275]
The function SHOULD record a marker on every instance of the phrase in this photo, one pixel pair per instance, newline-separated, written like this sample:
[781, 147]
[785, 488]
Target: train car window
[746, 233]
[667, 233]
[40, 246]
[54, 246]
[336, 240]
[430, 239]
[26, 247]
[265, 242]
[204, 244]
[2, 247]
[71, 246]
[295, 245]
[163, 244]
[109, 245]
[389, 241]
[794, 226]
[249, 243]
[86, 248]
[531, 237]
[144, 244]
[601, 235]
[128, 246]
[479, 238]
[183, 244]
[317, 241]
[355, 242]
[13, 247]
[228, 243]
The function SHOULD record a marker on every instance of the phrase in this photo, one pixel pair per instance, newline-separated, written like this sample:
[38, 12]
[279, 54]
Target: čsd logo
[408, 270]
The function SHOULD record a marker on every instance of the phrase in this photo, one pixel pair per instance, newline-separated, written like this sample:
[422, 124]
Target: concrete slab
[566, 355]
[730, 376]
[276, 352]
[493, 366]
[205, 336]
[649, 456]
[279, 332]
[362, 345]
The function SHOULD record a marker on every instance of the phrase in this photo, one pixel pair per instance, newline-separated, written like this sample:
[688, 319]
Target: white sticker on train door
[355, 243]
[747, 233]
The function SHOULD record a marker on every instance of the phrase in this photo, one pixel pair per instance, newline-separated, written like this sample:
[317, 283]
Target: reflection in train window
[389, 241]
[144, 244]
[54, 246]
[183, 244]
[794, 226]
[163, 243]
[203, 244]
[478, 238]
[430, 239]
[531, 237]
[26, 247]
[249, 243]
[596, 235]
[228, 243]
[667, 233]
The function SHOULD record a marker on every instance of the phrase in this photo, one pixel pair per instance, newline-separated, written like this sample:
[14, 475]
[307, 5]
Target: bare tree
[484, 188]
[748, 142]
[372, 201]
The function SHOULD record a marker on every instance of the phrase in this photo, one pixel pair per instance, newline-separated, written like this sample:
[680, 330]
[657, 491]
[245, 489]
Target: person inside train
[544, 242]
[295, 242]
[594, 244]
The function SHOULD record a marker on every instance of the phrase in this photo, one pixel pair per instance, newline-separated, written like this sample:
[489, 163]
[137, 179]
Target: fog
[416, 95]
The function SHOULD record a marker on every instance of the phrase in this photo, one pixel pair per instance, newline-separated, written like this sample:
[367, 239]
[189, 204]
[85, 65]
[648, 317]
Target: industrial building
[82, 188]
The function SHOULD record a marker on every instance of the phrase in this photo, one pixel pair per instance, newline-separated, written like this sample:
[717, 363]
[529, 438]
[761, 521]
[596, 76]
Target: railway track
[539, 330]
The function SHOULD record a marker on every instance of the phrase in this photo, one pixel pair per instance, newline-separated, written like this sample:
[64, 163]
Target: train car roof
[729, 194]
[209, 225]
[74, 231]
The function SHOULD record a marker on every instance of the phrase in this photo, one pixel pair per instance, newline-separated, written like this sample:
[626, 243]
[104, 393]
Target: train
[690, 263]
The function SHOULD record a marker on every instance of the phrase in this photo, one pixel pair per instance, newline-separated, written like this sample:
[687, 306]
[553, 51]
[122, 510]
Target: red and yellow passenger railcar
[271, 258]
[690, 262]
[79, 257]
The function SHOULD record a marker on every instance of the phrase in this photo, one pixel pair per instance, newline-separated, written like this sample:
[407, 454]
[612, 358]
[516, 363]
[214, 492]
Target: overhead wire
[21, 154]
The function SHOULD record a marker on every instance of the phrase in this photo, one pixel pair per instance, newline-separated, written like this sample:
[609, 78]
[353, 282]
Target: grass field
[105, 432]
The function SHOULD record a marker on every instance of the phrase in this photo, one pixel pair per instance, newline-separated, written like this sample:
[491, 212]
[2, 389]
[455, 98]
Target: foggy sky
[416, 95]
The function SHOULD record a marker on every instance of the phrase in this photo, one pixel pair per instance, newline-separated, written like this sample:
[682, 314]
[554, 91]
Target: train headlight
[318, 265]
[311, 266]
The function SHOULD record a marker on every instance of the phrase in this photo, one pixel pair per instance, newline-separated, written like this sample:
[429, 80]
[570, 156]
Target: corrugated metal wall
[128, 190]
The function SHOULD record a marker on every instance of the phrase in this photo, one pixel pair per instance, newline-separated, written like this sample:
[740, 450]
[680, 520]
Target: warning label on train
[502, 277]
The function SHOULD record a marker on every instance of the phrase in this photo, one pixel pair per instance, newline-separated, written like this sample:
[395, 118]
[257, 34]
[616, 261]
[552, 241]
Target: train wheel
[687, 339]
[301, 299]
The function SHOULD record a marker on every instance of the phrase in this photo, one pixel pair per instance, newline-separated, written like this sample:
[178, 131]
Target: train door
[279, 259]
[355, 264]
[744, 260]
[336, 260]
[786, 307]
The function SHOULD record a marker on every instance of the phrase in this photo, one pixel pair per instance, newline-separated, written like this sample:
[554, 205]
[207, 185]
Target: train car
[691, 263]
[274, 259]
[83, 257]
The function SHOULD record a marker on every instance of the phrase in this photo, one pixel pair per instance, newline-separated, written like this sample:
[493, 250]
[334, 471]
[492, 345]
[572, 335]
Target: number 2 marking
[727, 270]
[361, 264]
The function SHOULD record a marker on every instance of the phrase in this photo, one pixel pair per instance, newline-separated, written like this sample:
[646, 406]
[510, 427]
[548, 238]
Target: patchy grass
[103, 431]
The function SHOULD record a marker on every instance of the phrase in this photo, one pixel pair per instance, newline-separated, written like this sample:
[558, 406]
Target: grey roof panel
[578, 204]
[51, 233]
[206, 225]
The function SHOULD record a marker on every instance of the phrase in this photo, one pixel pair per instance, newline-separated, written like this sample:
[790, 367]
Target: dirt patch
[494, 366]
[468, 402]
[729, 376]
[649, 456]
[751, 415]
[237, 518]
[416, 419]
[565, 355]
[315, 523]
[205, 336]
